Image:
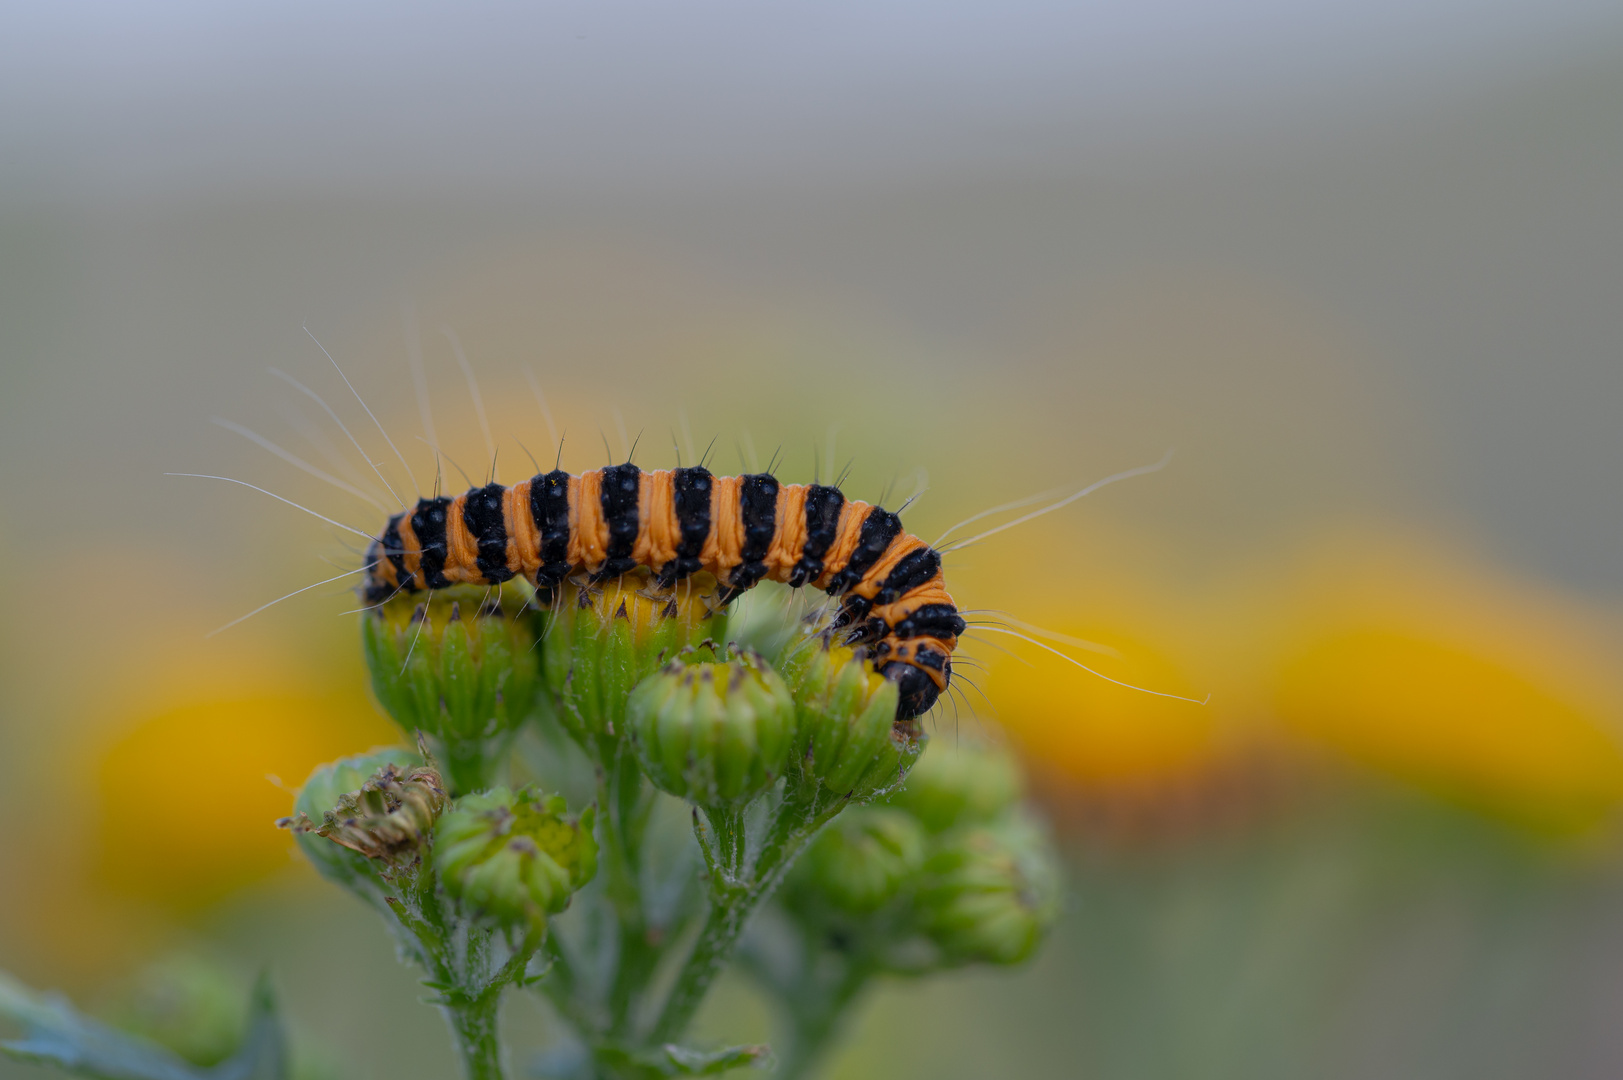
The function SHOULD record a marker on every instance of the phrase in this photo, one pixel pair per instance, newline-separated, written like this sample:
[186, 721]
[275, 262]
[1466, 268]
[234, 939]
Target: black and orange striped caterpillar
[679, 522]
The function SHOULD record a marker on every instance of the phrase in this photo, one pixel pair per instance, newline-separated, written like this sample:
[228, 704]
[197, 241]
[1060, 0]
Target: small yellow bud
[603, 639]
[460, 666]
[848, 735]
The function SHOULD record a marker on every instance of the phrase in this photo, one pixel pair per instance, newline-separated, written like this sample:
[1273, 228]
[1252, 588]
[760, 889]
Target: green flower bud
[603, 639]
[363, 819]
[514, 856]
[848, 735]
[713, 734]
[863, 859]
[989, 893]
[460, 667]
[957, 784]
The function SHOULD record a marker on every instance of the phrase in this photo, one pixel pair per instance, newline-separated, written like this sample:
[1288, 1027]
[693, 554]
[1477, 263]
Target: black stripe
[395, 552]
[618, 496]
[933, 659]
[549, 509]
[428, 522]
[879, 529]
[853, 609]
[758, 501]
[482, 514]
[932, 620]
[376, 590]
[758, 506]
[822, 526]
[910, 571]
[691, 491]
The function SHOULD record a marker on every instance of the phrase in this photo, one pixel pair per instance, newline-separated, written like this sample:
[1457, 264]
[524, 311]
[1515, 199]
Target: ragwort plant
[738, 792]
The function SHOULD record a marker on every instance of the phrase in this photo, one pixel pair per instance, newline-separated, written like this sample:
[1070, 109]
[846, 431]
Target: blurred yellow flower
[1456, 722]
[1096, 731]
[1401, 653]
[1078, 725]
[1416, 660]
[184, 731]
[187, 807]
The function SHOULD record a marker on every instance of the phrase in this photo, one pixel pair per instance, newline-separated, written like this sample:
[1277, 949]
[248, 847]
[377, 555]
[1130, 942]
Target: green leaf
[673, 1060]
[55, 1033]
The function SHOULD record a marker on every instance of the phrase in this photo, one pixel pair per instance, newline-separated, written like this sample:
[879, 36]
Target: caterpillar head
[921, 668]
[917, 687]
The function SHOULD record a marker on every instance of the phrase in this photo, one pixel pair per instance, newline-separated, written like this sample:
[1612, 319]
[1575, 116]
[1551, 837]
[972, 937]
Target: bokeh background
[1359, 263]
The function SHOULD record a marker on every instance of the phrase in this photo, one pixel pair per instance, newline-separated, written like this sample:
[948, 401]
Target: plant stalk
[805, 809]
[627, 800]
[473, 1030]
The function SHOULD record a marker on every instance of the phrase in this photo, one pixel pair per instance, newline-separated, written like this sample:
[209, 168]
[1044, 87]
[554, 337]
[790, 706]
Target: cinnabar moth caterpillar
[677, 522]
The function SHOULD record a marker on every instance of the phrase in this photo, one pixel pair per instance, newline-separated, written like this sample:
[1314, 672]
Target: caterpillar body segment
[678, 522]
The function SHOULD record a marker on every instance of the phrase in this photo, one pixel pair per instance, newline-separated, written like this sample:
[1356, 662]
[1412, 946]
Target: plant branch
[806, 808]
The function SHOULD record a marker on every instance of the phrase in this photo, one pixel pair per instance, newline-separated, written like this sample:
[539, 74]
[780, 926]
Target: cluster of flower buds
[457, 667]
[848, 736]
[715, 734]
[865, 857]
[605, 638]
[629, 669]
[367, 815]
[990, 892]
[514, 857]
[951, 857]
[990, 885]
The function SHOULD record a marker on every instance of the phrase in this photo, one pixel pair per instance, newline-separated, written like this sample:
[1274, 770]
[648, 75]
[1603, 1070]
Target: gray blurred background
[1362, 264]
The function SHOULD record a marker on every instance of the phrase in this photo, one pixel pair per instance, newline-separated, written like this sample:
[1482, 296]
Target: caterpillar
[678, 522]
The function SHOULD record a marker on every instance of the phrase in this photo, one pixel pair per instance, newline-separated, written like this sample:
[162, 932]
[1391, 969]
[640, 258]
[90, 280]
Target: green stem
[805, 809]
[417, 910]
[728, 914]
[627, 801]
[473, 1030]
[470, 993]
[727, 827]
